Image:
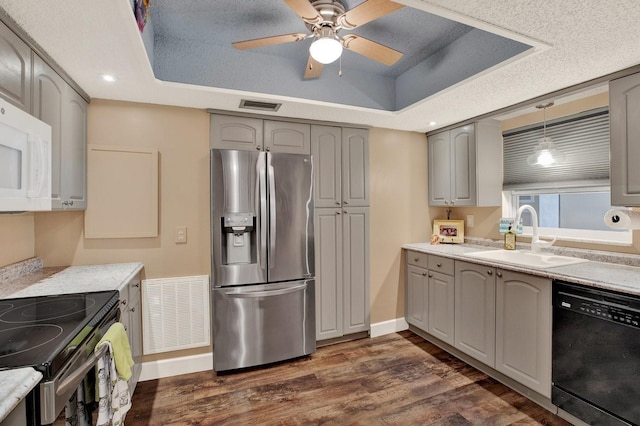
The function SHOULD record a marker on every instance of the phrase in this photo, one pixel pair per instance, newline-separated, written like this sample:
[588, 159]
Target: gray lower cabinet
[58, 105]
[523, 329]
[342, 271]
[624, 108]
[15, 69]
[131, 318]
[417, 297]
[441, 302]
[475, 311]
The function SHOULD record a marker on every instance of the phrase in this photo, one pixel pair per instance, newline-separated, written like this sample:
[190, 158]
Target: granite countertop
[14, 386]
[72, 279]
[603, 274]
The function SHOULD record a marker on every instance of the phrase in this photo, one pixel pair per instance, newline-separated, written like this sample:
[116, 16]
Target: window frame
[509, 202]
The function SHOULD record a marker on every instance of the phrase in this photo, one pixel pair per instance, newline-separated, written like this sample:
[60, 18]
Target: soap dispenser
[510, 239]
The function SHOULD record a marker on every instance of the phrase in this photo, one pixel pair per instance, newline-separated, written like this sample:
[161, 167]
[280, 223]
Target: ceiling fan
[325, 19]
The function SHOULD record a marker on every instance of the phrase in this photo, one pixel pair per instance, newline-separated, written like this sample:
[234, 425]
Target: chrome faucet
[537, 245]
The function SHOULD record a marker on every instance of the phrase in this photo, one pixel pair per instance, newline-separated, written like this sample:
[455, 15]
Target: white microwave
[25, 161]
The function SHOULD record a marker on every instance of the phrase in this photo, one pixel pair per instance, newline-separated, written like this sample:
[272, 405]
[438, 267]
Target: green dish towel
[117, 336]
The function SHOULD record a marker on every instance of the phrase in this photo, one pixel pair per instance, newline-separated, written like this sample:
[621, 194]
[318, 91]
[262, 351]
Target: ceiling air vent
[262, 106]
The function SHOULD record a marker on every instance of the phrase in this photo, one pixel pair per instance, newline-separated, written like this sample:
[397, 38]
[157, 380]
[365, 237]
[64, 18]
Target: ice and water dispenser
[239, 244]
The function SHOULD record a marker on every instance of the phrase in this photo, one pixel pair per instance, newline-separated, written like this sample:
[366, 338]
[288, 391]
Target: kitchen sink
[526, 258]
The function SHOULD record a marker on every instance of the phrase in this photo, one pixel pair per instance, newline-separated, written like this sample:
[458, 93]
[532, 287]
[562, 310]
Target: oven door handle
[74, 378]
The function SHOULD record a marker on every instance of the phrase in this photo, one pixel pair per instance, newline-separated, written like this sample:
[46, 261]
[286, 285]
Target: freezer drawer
[260, 324]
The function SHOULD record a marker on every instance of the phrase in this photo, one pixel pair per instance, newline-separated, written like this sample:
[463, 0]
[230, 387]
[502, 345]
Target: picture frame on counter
[449, 231]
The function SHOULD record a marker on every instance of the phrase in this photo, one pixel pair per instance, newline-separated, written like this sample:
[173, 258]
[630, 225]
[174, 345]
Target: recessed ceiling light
[433, 123]
[108, 77]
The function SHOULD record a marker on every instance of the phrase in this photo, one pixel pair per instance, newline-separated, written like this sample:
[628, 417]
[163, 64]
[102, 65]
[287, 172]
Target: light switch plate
[469, 221]
[181, 234]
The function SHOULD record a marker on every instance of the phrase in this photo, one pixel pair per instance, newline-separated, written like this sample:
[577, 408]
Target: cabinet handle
[430, 276]
[438, 264]
[446, 202]
[498, 274]
[124, 302]
[489, 272]
[70, 202]
[424, 274]
[258, 147]
[267, 149]
[337, 203]
[136, 285]
[346, 202]
[133, 309]
[345, 212]
[452, 202]
[337, 213]
[415, 259]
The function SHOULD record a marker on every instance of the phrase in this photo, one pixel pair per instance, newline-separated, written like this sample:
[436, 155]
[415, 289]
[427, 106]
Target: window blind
[583, 138]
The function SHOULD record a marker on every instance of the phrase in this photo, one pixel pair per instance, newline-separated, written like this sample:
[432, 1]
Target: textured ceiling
[192, 44]
[574, 41]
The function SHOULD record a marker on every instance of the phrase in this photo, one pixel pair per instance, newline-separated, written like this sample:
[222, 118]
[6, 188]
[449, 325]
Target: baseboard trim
[388, 327]
[176, 366]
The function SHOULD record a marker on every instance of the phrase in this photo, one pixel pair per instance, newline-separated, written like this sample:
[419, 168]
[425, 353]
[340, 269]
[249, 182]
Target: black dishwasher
[596, 354]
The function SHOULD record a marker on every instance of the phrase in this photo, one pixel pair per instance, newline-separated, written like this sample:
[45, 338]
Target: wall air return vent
[262, 106]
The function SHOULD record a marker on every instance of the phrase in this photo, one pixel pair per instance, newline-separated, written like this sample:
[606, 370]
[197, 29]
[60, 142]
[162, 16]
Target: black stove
[43, 332]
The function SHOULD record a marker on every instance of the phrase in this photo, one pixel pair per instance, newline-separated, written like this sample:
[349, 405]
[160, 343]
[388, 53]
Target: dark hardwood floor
[395, 379]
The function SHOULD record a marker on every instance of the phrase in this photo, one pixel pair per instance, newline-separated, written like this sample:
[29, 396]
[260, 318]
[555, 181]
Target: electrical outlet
[181, 234]
[469, 221]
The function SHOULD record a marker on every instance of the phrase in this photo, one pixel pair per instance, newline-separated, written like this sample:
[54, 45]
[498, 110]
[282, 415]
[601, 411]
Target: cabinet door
[439, 169]
[417, 297]
[326, 149]
[475, 313]
[48, 101]
[355, 266]
[523, 329]
[329, 291]
[288, 138]
[440, 306]
[73, 175]
[15, 69]
[229, 132]
[355, 167]
[134, 331]
[624, 108]
[463, 166]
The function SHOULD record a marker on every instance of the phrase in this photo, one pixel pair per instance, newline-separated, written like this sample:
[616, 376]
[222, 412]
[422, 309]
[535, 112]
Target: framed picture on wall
[449, 231]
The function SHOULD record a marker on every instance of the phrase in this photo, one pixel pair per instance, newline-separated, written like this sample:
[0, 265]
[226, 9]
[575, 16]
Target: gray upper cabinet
[465, 166]
[250, 134]
[15, 69]
[326, 148]
[286, 137]
[475, 311]
[624, 110]
[523, 329]
[230, 132]
[58, 105]
[355, 167]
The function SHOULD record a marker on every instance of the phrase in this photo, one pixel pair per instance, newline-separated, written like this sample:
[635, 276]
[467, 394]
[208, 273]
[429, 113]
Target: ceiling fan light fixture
[326, 48]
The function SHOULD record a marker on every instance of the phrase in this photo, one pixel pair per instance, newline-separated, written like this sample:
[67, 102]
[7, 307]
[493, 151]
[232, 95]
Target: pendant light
[546, 154]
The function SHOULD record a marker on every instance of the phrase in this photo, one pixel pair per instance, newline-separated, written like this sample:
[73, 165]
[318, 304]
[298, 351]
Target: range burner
[66, 308]
[27, 337]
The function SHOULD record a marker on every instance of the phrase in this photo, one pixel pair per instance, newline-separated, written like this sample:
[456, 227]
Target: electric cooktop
[43, 331]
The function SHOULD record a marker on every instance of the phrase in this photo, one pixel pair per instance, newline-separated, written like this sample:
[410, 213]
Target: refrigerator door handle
[262, 200]
[265, 293]
[272, 211]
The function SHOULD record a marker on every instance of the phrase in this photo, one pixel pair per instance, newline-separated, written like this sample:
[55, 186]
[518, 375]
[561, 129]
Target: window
[571, 198]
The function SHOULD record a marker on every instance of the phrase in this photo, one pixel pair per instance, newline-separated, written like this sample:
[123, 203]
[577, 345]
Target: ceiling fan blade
[303, 9]
[268, 41]
[367, 12]
[371, 49]
[313, 69]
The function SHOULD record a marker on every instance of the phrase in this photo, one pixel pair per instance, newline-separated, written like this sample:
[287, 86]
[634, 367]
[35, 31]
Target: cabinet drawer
[418, 259]
[441, 264]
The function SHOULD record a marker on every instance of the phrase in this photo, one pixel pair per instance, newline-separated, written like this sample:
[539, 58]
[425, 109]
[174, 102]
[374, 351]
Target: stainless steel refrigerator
[262, 257]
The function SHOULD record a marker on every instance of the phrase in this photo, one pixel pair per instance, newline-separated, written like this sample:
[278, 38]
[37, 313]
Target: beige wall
[399, 213]
[17, 237]
[181, 136]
